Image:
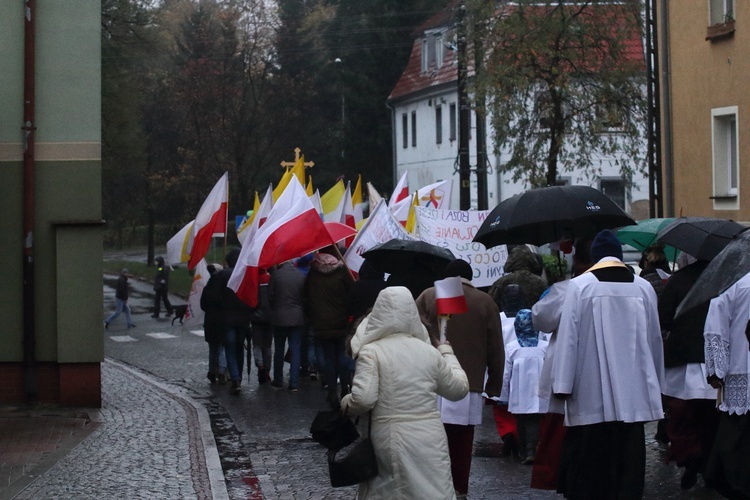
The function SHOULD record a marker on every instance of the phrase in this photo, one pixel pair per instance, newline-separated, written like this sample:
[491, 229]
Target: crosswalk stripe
[161, 335]
[198, 333]
[123, 338]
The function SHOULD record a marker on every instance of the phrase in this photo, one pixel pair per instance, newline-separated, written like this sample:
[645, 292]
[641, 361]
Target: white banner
[380, 227]
[454, 230]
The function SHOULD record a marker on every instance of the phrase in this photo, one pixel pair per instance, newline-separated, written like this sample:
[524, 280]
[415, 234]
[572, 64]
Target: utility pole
[464, 114]
[480, 114]
[656, 202]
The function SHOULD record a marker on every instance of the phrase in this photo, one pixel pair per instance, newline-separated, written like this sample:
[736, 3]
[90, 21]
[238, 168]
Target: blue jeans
[217, 358]
[262, 340]
[234, 344]
[280, 336]
[120, 306]
[336, 365]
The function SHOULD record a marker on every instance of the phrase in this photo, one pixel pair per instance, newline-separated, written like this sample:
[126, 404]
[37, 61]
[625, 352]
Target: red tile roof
[414, 80]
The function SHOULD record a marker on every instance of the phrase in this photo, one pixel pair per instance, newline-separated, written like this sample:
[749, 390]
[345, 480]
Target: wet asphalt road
[263, 434]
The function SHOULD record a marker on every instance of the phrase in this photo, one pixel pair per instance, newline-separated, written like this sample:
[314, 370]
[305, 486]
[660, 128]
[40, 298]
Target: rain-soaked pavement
[263, 434]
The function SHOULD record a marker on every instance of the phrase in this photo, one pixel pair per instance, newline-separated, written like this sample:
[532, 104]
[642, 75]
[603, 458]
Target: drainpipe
[29, 86]
[667, 107]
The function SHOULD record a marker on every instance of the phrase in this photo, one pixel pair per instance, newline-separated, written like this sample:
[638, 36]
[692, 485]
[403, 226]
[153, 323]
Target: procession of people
[575, 368]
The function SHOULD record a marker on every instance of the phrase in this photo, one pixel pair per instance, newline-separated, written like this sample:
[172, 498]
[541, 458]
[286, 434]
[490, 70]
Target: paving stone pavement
[150, 441]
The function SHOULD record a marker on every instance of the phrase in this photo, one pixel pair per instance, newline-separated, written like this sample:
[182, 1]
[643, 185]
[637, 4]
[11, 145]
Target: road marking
[123, 338]
[161, 335]
[198, 333]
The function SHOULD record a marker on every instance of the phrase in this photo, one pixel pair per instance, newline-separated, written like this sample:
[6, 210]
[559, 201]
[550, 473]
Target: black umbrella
[723, 271]
[550, 214]
[400, 255]
[701, 237]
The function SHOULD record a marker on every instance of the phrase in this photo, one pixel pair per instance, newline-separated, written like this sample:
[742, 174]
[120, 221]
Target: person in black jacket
[213, 328]
[161, 288]
[234, 314]
[121, 300]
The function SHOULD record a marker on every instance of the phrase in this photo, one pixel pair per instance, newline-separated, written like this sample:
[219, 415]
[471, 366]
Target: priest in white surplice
[608, 368]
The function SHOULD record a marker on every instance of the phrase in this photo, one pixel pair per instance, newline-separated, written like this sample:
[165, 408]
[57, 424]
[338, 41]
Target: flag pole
[341, 258]
[226, 220]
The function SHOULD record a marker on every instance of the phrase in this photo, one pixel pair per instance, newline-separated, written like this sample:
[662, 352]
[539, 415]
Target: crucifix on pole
[287, 164]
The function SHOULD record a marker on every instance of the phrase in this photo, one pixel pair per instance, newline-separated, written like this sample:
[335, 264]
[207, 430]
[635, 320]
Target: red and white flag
[401, 192]
[449, 294]
[436, 195]
[211, 218]
[292, 229]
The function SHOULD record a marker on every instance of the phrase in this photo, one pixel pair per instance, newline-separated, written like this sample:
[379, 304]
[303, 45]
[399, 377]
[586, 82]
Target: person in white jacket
[398, 376]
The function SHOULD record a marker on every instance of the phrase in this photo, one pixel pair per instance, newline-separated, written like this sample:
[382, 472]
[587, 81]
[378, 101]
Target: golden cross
[287, 164]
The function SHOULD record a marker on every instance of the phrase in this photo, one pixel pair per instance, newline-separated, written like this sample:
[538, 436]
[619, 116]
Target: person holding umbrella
[691, 426]
[728, 368]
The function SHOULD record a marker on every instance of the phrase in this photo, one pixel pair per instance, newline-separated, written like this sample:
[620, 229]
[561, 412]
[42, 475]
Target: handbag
[359, 464]
[333, 430]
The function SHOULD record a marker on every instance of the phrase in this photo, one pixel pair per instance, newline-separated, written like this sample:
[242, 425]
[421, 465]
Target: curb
[210, 452]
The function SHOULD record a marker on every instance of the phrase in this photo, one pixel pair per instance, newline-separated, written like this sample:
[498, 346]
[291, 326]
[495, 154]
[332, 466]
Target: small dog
[179, 313]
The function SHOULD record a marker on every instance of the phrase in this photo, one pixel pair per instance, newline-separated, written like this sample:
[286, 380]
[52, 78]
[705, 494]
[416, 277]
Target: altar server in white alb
[608, 369]
[728, 366]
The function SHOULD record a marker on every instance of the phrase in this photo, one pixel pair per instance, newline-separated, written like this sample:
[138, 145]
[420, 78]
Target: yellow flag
[357, 194]
[249, 220]
[411, 220]
[309, 188]
[330, 200]
[281, 186]
[299, 169]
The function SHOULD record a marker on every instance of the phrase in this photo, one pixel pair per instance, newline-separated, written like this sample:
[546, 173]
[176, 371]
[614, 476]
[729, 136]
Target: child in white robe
[523, 366]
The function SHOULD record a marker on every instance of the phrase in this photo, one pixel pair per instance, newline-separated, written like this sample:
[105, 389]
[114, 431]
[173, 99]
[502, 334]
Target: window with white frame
[720, 11]
[404, 130]
[725, 150]
[438, 51]
[438, 124]
[414, 129]
[614, 188]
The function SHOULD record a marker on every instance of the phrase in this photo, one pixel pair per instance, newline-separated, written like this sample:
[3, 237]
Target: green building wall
[68, 227]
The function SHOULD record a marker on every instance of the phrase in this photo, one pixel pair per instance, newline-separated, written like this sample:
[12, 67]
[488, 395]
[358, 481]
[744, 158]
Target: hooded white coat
[398, 376]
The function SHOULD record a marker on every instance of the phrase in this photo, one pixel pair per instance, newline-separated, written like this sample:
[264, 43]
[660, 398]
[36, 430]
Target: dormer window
[432, 51]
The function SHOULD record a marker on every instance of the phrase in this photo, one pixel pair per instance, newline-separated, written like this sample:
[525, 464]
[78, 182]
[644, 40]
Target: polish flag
[292, 229]
[436, 195]
[211, 218]
[401, 192]
[449, 294]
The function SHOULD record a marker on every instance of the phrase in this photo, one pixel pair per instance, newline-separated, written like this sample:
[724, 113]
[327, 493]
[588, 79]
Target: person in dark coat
[213, 327]
[161, 288]
[522, 268]
[693, 419]
[262, 332]
[417, 278]
[326, 290]
[364, 291]
[236, 317]
[121, 300]
[655, 267]
[285, 293]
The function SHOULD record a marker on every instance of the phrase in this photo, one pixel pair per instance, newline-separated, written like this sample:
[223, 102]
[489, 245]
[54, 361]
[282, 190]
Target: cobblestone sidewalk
[148, 441]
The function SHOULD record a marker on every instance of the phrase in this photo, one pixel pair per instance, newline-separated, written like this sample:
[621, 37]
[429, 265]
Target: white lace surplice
[726, 346]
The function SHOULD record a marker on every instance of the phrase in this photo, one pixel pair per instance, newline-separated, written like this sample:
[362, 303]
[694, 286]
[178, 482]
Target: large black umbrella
[723, 271]
[401, 255]
[701, 237]
[550, 214]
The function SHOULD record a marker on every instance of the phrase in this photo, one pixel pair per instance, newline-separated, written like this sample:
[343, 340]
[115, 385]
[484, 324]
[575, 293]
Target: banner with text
[454, 230]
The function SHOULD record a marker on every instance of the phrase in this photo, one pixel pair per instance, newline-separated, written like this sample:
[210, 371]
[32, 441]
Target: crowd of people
[573, 369]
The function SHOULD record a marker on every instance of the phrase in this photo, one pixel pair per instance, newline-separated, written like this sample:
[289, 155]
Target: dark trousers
[335, 365]
[159, 297]
[460, 446]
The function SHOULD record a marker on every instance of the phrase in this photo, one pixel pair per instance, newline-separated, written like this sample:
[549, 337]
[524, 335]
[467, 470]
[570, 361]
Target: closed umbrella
[701, 237]
[549, 214]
